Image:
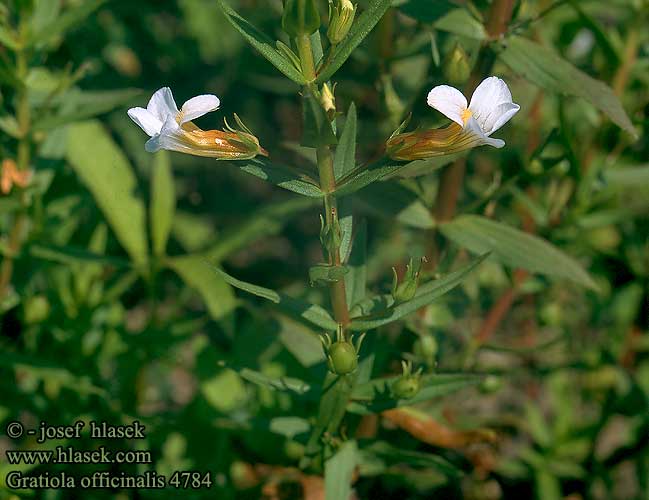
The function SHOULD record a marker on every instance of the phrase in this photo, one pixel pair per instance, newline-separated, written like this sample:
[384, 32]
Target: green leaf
[545, 68]
[394, 201]
[339, 470]
[71, 255]
[163, 202]
[266, 221]
[628, 177]
[317, 129]
[264, 45]
[461, 22]
[393, 455]
[356, 278]
[345, 157]
[198, 274]
[382, 310]
[360, 29]
[295, 307]
[9, 125]
[8, 38]
[105, 171]
[281, 176]
[324, 273]
[79, 106]
[276, 384]
[424, 167]
[289, 426]
[64, 22]
[375, 396]
[514, 248]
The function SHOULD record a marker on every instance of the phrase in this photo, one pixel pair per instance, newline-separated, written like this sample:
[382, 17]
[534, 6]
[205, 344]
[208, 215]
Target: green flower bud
[405, 291]
[331, 235]
[300, 17]
[491, 383]
[342, 355]
[341, 18]
[36, 309]
[456, 67]
[328, 101]
[407, 386]
[425, 347]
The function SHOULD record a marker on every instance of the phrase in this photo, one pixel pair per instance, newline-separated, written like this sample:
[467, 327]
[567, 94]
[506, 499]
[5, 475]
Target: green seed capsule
[406, 387]
[301, 17]
[342, 358]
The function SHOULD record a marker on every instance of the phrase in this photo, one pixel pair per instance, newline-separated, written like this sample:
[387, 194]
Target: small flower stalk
[342, 355]
[408, 385]
[172, 129]
[490, 108]
[406, 289]
[341, 18]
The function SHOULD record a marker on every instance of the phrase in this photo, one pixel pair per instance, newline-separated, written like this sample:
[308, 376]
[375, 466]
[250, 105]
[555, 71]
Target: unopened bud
[300, 17]
[456, 67]
[328, 101]
[407, 386]
[341, 18]
[405, 291]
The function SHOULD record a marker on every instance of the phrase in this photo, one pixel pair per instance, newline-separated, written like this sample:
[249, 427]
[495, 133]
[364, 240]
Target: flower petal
[145, 120]
[449, 101]
[473, 129]
[491, 104]
[198, 106]
[162, 104]
[170, 137]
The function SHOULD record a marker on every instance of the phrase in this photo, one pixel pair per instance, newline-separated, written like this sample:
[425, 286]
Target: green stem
[306, 56]
[23, 116]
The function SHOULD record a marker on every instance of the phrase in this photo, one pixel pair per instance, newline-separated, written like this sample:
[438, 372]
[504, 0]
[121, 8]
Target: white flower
[490, 108]
[172, 129]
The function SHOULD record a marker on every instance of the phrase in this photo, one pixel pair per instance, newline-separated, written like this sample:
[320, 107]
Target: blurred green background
[93, 329]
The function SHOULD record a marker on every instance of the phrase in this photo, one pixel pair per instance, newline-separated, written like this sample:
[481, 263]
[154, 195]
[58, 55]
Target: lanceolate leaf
[163, 202]
[345, 157]
[382, 310]
[105, 171]
[360, 29]
[546, 69]
[375, 395]
[281, 176]
[339, 470]
[295, 307]
[264, 45]
[70, 18]
[514, 248]
[356, 278]
[197, 273]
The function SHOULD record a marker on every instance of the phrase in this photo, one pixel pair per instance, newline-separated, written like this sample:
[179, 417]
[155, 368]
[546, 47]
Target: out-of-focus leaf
[545, 68]
[375, 395]
[427, 11]
[276, 384]
[163, 202]
[199, 275]
[7, 38]
[382, 310]
[345, 157]
[105, 171]
[83, 105]
[296, 307]
[356, 278]
[281, 176]
[395, 455]
[289, 426]
[225, 391]
[461, 22]
[514, 248]
[633, 177]
[9, 125]
[339, 470]
[69, 19]
[263, 222]
[74, 255]
[264, 45]
[394, 201]
[360, 29]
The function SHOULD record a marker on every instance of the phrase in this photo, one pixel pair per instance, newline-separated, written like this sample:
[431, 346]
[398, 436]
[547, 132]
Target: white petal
[449, 101]
[162, 104]
[491, 104]
[198, 106]
[474, 129]
[145, 120]
[170, 137]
